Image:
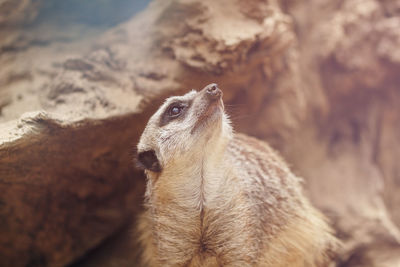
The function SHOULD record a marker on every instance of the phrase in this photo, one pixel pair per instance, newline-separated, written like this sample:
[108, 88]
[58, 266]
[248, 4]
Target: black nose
[213, 91]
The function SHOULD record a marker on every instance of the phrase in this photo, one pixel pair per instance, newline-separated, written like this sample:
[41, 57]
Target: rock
[64, 188]
[318, 80]
[5, 99]
[346, 152]
[15, 13]
[68, 180]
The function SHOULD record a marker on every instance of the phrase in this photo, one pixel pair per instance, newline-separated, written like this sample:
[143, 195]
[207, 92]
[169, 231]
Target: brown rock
[67, 180]
[15, 13]
[318, 80]
[346, 152]
[64, 188]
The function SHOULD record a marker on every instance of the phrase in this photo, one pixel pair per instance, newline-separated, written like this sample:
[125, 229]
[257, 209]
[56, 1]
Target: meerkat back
[215, 198]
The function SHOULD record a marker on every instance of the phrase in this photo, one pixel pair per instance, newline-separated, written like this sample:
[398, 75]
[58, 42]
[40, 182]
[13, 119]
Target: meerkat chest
[186, 198]
[190, 211]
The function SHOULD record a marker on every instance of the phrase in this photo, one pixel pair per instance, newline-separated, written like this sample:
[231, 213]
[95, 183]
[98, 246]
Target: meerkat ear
[149, 161]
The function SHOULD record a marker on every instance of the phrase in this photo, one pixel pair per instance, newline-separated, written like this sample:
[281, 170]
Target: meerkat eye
[175, 110]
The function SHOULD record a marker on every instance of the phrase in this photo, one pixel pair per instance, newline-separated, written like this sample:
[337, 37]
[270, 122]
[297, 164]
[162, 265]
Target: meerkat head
[183, 129]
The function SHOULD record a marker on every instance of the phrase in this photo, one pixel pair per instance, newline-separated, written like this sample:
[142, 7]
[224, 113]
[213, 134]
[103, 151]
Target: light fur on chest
[194, 215]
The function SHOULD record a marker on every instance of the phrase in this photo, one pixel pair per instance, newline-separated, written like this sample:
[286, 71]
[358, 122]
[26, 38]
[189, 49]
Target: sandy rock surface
[319, 81]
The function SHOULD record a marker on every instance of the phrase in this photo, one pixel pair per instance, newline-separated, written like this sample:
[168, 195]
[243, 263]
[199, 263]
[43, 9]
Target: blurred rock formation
[318, 80]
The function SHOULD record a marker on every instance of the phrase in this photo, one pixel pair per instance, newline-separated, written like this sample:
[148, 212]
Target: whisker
[234, 105]
[240, 117]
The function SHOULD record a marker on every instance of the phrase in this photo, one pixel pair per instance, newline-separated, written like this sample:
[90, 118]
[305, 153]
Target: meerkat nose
[213, 91]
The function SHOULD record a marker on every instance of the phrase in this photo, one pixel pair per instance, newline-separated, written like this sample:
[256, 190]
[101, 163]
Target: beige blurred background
[319, 80]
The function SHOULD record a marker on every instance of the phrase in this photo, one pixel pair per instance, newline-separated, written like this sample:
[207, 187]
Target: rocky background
[319, 80]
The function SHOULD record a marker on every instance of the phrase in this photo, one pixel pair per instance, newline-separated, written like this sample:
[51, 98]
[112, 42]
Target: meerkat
[219, 198]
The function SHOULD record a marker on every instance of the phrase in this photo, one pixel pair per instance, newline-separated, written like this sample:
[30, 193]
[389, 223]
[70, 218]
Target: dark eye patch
[174, 111]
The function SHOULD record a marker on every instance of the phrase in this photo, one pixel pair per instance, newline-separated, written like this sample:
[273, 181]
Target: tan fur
[224, 199]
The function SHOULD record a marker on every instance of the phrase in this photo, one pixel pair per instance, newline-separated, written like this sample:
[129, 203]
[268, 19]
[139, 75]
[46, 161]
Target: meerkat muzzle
[213, 96]
[213, 92]
[209, 104]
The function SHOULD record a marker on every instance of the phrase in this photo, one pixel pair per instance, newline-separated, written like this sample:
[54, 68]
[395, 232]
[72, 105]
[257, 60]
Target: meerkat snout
[213, 91]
